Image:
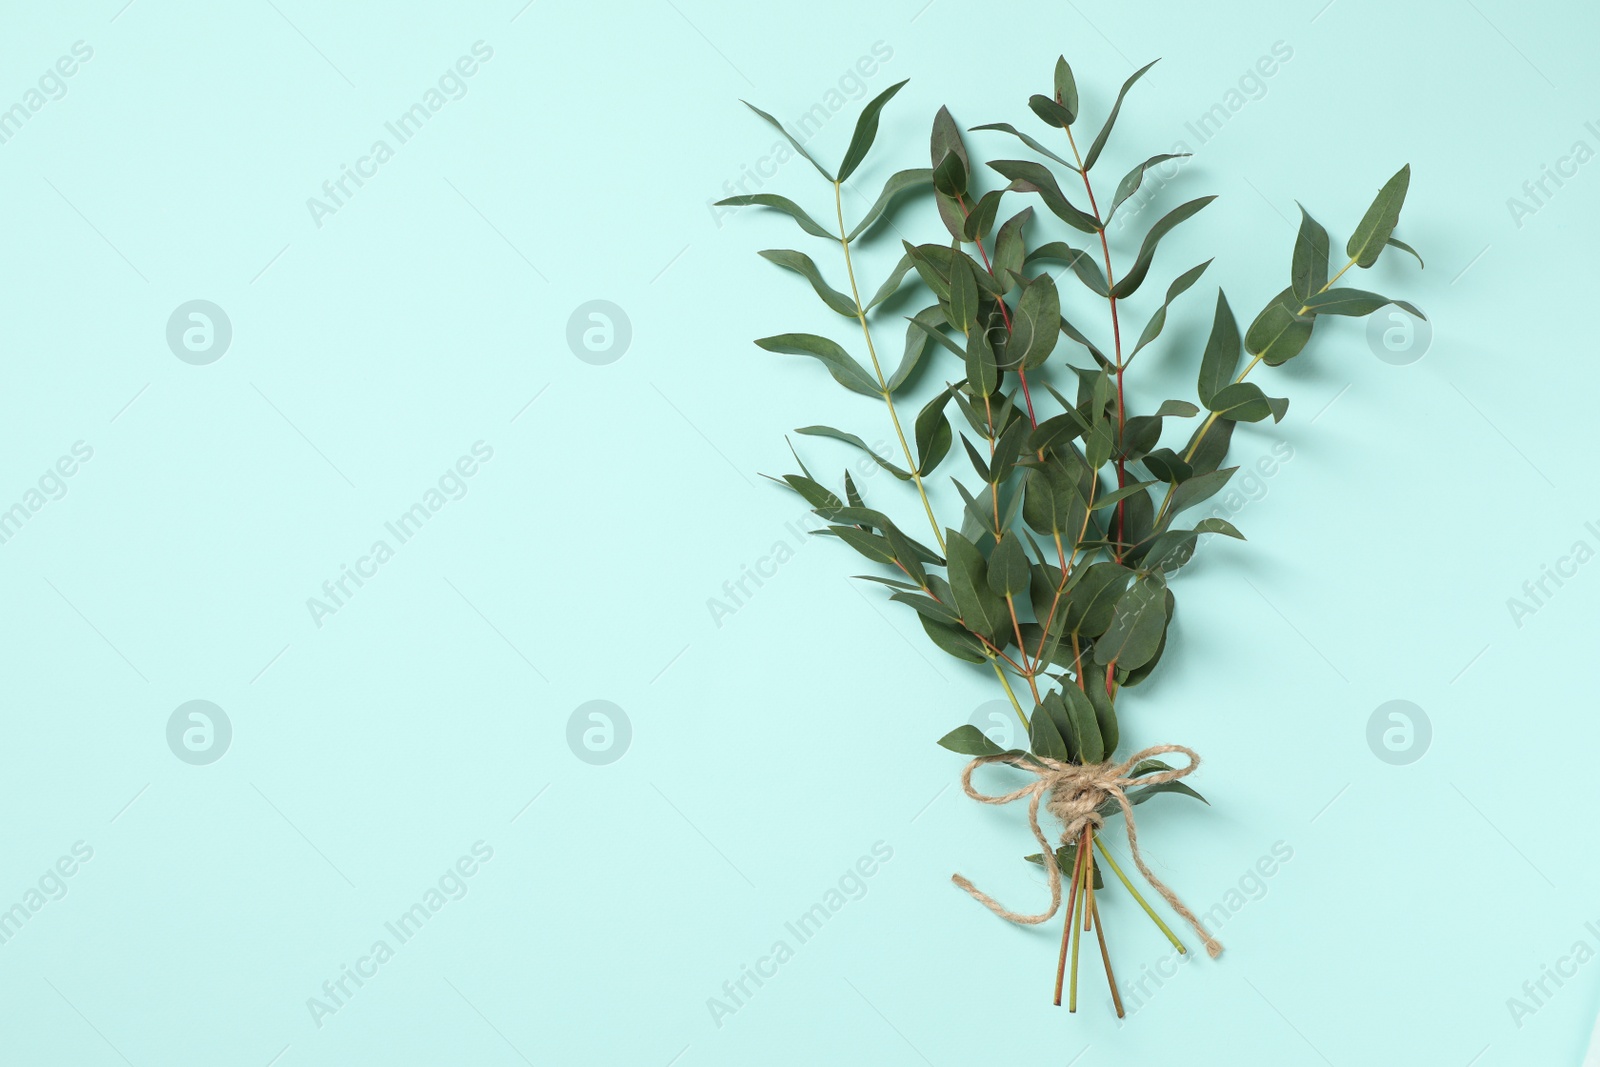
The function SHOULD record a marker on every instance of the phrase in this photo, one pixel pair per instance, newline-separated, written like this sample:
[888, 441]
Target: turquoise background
[774, 747]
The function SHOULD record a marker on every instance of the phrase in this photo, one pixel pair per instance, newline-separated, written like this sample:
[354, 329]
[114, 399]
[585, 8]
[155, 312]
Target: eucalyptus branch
[1103, 616]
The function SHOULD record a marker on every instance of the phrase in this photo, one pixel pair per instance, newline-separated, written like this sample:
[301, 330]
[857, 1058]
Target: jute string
[1075, 793]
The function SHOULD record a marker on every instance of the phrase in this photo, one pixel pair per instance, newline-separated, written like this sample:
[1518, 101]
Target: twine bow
[1075, 793]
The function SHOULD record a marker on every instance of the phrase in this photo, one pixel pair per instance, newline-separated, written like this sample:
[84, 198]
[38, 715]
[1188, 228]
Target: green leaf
[1129, 283]
[1050, 112]
[982, 612]
[870, 545]
[1029, 177]
[970, 741]
[1353, 302]
[813, 492]
[1245, 402]
[846, 371]
[1380, 220]
[925, 320]
[1035, 324]
[866, 131]
[1082, 264]
[962, 309]
[783, 204]
[929, 608]
[950, 176]
[1009, 246]
[981, 218]
[1085, 725]
[1158, 320]
[1006, 127]
[1105, 715]
[954, 640]
[1105, 131]
[1308, 269]
[1049, 729]
[1181, 408]
[1052, 503]
[892, 283]
[907, 552]
[1106, 500]
[797, 146]
[983, 372]
[898, 184]
[852, 439]
[1279, 333]
[1198, 488]
[1136, 626]
[1396, 242]
[933, 433]
[1009, 572]
[1210, 448]
[802, 265]
[1093, 597]
[1066, 89]
[946, 139]
[1134, 178]
[1220, 360]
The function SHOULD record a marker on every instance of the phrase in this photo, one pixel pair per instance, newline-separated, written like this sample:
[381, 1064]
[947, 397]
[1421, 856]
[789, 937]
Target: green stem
[1000, 674]
[883, 384]
[1104, 852]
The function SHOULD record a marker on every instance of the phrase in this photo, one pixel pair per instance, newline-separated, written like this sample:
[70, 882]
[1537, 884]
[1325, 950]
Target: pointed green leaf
[1378, 223]
[1129, 283]
[1353, 302]
[1049, 729]
[1085, 725]
[954, 640]
[1006, 127]
[1134, 178]
[1082, 263]
[1010, 252]
[1136, 626]
[846, 371]
[892, 283]
[1105, 131]
[981, 611]
[1066, 88]
[852, 439]
[1221, 357]
[1397, 243]
[783, 204]
[933, 433]
[927, 319]
[1035, 324]
[1308, 270]
[1052, 113]
[961, 311]
[898, 184]
[866, 131]
[950, 176]
[786, 136]
[1279, 333]
[1029, 177]
[1158, 321]
[1009, 573]
[968, 740]
[802, 265]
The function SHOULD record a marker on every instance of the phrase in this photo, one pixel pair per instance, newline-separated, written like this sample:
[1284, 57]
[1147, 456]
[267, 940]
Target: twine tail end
[1213, 947]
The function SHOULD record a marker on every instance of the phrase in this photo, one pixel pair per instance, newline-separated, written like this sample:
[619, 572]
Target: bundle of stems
[1055, 571]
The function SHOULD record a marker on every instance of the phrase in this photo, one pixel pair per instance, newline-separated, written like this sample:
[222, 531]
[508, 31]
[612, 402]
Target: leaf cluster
[1056, 570]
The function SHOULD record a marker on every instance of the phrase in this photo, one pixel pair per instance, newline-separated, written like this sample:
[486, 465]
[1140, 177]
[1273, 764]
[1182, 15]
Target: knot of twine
[1075, 793]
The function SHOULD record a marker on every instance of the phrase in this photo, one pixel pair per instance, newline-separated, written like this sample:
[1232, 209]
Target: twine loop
[1074, 793]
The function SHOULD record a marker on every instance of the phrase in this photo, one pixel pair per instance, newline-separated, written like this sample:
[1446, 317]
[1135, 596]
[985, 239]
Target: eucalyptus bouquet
[1055, 572]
